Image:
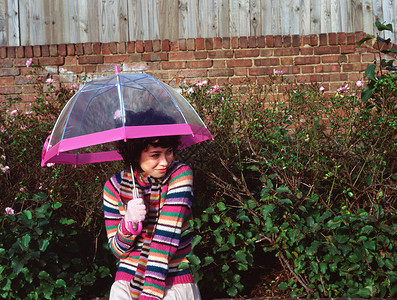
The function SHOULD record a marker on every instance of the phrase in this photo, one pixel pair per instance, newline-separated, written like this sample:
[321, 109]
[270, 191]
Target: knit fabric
[166, 230]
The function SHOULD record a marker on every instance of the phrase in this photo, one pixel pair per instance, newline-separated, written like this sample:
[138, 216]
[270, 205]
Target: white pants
[188, 291]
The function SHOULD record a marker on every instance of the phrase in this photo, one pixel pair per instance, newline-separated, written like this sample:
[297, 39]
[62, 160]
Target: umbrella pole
[134, 196]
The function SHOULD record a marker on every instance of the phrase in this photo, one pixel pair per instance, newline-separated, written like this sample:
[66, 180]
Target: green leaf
[196, 240]
[283, 286]
[208, 260]
[364, 292]
[43, 244]
[370, 72]
[24, 241]
[221, 206]
[283, 189]
[366, 93]
[60, 283]
[381, 27]
[194, 259]
[251, 204]
[28, 214]
[284, 201]
[364, 39]
[241, 256]
[216, 218]
[56, 205]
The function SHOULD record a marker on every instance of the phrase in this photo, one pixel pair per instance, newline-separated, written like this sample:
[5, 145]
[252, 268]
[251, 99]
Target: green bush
[43, 256]
[304, 176]
[49, 250]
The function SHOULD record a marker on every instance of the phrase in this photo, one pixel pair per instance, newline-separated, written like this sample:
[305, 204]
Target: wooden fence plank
[34, 22]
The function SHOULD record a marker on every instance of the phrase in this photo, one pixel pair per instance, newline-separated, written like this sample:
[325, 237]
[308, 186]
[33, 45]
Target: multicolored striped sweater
[170, 209]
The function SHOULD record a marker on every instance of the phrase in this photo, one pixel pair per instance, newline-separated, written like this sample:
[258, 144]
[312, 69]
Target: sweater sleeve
[120, 240]
[175, 212]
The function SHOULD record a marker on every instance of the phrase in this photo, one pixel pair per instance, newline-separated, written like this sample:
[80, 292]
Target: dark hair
[131, 149]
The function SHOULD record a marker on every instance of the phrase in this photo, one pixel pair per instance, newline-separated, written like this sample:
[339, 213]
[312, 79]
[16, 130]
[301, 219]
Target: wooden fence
[45, 22]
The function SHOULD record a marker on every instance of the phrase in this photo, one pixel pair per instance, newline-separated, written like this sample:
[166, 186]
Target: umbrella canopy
[120, 107]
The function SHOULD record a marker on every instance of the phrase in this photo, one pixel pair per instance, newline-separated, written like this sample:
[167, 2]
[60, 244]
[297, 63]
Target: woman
[149, 260]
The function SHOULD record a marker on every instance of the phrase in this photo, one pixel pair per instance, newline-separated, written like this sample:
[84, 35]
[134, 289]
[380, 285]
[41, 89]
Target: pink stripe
[192, 134]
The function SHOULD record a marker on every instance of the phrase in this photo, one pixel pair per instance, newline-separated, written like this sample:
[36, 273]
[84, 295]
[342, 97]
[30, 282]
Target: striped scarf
[155, 204]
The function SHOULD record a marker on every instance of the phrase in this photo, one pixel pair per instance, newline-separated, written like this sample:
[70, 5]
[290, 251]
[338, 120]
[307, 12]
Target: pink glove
[136, 213]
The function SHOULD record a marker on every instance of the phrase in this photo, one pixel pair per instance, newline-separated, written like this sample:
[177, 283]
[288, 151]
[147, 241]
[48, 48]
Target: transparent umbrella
[115, 108]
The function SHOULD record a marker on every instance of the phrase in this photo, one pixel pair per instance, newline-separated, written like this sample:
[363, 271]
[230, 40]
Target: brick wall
[330, 59]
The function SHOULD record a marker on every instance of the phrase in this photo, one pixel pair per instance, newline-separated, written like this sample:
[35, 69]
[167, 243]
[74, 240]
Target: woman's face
[156, 160]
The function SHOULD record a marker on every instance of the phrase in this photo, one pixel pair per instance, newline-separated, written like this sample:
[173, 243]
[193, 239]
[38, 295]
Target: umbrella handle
[131, 228]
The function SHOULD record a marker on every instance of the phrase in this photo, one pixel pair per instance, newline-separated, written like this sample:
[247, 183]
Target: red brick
[217, 43]
[287, 51]
[326, 50]
[191, 44]
[200, 54]
[234, 42]
[200, 44]
[90, 69]
[148, 46]
[193, 73]
[51, 61]
[8, 63]
[105, 49]
[157, 56]
[7, 80]
[239, 63]
[18, 62]
[332, 39]
[165, 45]
[240, 71]
[307, 60]
[173, 65]
[243, 42]
[199, 64]
[139, 46]
[28, 89]
[307, 69]
[87, 48]
[3, 52]
[287, 41]
[182, 45]
[252, 42]
[11, 52]
[94, 59]
[70, 60]
[226, 43]
[327, 68]
[267, 62]
[21, 51]
[62, 51]
[113, 47]
[220, 72]
[287, 61]
[260, 71]
[188, 55]
[323, 39]
[28, 51]
[307, 51]
[73, 69]
[350, 38]
[367, 57]
[260, 40]
[45, 51]
[270, 41]
[267, 52]
[354, 67]
[96, 48]
[115, 59]
[153, 66]
[348, 49]
[12, 71]
[219, 63]
[296, 41]
[278, 41]
[130, 47]
[9, 90]
[53, 50]
[79, 48]
[220, 54]
[70, 49]
[246, 53]
[341, 38]
[156, 46]
[135, 57]
[135, 67]
[330, 59]
[313, 40]
[209, 45]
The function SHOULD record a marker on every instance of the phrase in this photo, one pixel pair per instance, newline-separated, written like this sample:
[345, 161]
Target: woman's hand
[136, 212]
